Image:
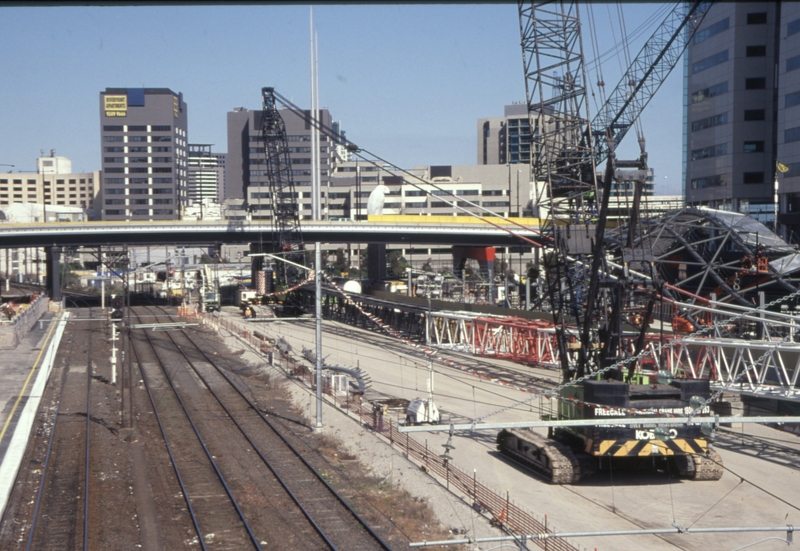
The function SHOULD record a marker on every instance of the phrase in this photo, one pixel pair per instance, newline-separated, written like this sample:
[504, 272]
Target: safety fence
[502, 511]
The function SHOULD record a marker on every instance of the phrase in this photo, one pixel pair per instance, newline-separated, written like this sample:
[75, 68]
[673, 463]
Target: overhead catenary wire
[381, 163]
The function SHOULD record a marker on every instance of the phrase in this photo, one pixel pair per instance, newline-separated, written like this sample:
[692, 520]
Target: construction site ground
[758, 489]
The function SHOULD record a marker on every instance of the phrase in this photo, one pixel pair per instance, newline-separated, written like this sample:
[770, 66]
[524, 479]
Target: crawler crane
[584, 292]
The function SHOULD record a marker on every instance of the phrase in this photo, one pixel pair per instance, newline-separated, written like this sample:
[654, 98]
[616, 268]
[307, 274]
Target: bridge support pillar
[376, 261]
[53, 276]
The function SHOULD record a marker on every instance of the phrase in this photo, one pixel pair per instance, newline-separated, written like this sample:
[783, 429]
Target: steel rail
[213, 463]
[290, 446]
[172, 461]
[88, 438]
[48, 455]
[266, 462]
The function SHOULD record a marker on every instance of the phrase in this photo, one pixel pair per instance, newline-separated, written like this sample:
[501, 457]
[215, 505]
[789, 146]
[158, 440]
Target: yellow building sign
[116, 106]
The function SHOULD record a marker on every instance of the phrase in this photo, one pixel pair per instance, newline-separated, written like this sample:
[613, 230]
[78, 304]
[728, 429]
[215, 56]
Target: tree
[397, 264]
[340, 265]
[427, 267]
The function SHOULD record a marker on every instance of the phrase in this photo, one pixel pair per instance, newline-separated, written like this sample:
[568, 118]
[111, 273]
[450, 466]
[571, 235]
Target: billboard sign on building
[116, 106]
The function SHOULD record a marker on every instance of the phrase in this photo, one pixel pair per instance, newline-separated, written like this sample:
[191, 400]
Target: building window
[139, 201]
[137, 138]
[162, 169]
[112, 138]
[117, 170]
[755, 83]
[708, 122]
[793, 63]
[162, 138]
[758, 18]
[113, 159]
[162, 211]
[415, 193]
[114, 212]
[161, 149]
[792, 99]
[162, 159]
[112, 128]
[468, 192]
[710, 61]
[115, 201]
[115, 149]
[753, 178]
[138, 191]
[161, 128]
[137, 149]
[417, 205]
[162, 180]
[754, 114]
[791, 134]
[756, 51]
[754, 147]
[439, 204]
[113, 191]
[711, 151]
[137, 159]
[138, 181]
[162, 190]
[711, 30]
[138, 169]
[115, 180]
[793, 27]
[709, 181]
[137, 128]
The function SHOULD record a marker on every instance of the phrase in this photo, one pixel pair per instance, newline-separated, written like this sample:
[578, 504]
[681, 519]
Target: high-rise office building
[205, 175]
[246, 170]
[507, 139]
[143, 134]
[742, 92]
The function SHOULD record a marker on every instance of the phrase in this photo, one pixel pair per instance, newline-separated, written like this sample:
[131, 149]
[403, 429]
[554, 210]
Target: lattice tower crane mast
[565, 150]
[287, 238]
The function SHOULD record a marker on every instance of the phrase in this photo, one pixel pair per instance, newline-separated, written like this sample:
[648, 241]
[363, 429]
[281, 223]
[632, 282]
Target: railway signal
[116, 308]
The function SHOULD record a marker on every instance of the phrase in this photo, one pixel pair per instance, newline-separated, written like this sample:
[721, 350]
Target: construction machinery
[568, 454]
[586, 292]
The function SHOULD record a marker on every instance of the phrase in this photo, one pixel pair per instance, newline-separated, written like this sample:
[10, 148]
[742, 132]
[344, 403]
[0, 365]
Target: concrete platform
[23, 375]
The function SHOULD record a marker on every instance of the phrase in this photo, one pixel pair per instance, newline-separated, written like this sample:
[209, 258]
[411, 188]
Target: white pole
[315, 199]
[103, 295]
[113, 353]
[318, 282]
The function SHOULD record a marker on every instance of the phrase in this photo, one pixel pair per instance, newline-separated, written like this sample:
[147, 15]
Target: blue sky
[407, 82]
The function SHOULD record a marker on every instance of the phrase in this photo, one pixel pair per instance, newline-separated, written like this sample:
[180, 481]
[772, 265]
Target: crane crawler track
[557, 461]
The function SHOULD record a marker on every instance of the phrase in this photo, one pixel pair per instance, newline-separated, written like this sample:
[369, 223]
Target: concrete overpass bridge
[470, 232]
[71, 234]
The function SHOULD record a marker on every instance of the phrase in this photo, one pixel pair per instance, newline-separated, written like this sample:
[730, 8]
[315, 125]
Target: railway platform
[23, 374]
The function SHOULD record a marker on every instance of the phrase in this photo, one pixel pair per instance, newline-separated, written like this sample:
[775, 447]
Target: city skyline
[413, 98]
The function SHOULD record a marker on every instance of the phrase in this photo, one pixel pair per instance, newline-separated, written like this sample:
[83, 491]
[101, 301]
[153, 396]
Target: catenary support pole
[318, 300]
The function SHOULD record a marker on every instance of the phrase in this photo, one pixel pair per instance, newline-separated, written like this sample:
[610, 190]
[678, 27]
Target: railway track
[61, 521]
[275, 495]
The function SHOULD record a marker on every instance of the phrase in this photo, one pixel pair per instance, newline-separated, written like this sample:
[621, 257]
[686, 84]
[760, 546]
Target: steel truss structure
[759, 367]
